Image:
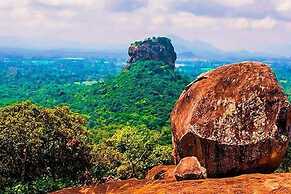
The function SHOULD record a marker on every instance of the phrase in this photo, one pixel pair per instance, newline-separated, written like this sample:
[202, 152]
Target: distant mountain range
[20, 52]
[200, 49]
[184, 48]
[195, 48]
[10, 46]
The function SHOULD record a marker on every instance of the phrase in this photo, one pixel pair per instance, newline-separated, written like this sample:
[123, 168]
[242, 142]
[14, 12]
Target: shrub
[40, 185]
[37, 142]
[286, 163]
[129, 153]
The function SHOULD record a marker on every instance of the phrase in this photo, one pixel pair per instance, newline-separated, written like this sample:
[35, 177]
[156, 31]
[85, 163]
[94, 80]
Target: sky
[230, 25]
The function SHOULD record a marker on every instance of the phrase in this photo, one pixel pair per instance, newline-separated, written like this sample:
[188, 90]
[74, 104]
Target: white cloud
[266, 23]
[188, 20]
[245, 24]
[94, 22]
[283, 5]
[8, 4]
[72, 3]
[235, 3]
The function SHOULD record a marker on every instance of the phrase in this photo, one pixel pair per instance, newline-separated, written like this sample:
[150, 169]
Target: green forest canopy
[127, 130]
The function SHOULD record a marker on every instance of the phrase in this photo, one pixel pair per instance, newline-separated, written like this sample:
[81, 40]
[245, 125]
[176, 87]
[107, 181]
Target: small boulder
[189, 168]
[161, 172]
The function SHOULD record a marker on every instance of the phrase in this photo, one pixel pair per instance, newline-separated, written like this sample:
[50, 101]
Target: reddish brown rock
[189, 168]
[161, 172]
[158, 49]
[233, 119]
[244, 184]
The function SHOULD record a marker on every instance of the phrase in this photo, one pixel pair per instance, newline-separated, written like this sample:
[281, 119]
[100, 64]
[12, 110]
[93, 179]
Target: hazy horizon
[229, 25]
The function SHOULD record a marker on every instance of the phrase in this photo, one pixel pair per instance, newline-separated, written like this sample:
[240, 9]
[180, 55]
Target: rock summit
[157, 49]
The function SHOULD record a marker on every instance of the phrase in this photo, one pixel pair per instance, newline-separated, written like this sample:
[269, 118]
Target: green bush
[37, 142]
[286, 163]
[40, 185]
[129, 153]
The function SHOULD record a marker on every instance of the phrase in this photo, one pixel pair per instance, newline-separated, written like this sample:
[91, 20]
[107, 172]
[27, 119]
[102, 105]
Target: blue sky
[258, 25]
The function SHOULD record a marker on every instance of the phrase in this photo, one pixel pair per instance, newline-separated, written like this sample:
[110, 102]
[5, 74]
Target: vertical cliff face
[157, 49]
[233, 119]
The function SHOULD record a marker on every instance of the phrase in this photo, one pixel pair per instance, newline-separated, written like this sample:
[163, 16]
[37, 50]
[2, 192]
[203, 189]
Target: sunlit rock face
[161, 172]
[234, 119]
[157, 49]
[189, 168]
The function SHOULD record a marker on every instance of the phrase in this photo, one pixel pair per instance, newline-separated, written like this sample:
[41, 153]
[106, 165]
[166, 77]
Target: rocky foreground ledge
[244, 184]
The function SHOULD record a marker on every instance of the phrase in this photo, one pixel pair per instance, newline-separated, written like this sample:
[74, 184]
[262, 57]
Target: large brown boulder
[234, 119]
[158, 49]
[189, 168]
